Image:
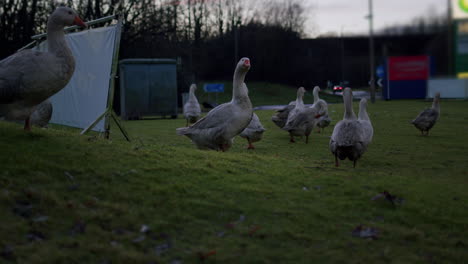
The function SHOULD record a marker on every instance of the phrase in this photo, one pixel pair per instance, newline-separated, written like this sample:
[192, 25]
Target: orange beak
[79, 22]
[247, 62]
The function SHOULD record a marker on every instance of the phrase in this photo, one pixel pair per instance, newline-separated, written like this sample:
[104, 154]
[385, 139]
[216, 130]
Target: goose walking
[298, 108]
[304, 122]
[192, 108]
[428, 117]
[324, 120]
[253, 132]
[218, 128]
[350, 137]
[29, 77]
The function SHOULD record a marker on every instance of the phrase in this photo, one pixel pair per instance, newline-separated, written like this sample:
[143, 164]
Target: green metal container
[148, 87]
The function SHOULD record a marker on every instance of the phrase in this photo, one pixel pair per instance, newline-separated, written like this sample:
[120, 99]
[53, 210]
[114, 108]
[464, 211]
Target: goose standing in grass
[304, 122]
[366, 124]
[428, 117]
[323, 121]
[253, 132]
[192, 108]
[218, 128]
[42, 115]
[350, 137]
[298, 108]
[29, 77]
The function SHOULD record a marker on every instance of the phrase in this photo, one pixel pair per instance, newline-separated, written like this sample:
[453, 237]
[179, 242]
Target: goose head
[193, 87]
[65, 16]
[300, 92]
[244, 64]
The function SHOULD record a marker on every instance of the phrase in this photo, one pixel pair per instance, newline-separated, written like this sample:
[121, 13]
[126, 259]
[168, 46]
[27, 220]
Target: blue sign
[213, 88]
[380, 71]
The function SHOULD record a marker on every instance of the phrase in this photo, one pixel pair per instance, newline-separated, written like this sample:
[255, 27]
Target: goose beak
[79, 22]
[247, 62]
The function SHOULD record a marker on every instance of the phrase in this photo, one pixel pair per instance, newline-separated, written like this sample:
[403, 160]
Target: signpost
[459, 10]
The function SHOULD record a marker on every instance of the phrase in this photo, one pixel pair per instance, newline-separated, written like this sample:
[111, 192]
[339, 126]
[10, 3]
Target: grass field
[66, 198]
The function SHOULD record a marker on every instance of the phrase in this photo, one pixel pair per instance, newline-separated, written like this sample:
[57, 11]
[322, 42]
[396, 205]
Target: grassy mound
[66, 198]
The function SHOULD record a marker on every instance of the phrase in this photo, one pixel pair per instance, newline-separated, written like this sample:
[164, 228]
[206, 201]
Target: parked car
[337, 88]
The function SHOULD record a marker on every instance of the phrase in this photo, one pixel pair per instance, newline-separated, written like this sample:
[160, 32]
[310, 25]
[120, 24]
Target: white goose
[428, 117]
[217, 129]
[29, 77]
[192, 108]
[366, 124]
[349, 138]
[304, 122]
[323, 121]
[253, 132]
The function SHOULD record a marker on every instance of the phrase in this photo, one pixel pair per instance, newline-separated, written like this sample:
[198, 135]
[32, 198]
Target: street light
[371, 53]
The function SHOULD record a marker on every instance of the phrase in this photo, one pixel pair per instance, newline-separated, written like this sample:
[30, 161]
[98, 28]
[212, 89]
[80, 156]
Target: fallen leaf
[41, 218]
[365, 232]
[202, 256]
[144, 228]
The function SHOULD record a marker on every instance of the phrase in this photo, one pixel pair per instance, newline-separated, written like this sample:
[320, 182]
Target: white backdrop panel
[85, 97]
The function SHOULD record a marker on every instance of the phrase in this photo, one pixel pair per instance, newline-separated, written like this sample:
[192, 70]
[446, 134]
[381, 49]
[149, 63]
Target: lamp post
[342, 53]
[371, 53]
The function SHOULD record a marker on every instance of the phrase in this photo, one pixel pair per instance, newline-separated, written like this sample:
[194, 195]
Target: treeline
[207, 36]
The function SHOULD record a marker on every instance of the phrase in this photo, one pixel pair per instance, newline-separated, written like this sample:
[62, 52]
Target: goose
[192, 107]
[304, 122]
[41, 116]
[349, 138]
[428, 117]
[29, 77]
[218, 128]
[323, 121]
[281, 116]
[253, 132]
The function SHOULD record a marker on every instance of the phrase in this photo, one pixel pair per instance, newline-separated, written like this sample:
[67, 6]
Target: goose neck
[348, 104]
[239, 89]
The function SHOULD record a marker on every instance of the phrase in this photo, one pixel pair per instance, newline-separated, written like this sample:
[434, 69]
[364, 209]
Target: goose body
[281, 116]
[29, 77]
[218, 128]
[428, 117]
[351, 135]
[192, 108]
[253, 132]
[324, 120]
[304, 122]
[42, 115]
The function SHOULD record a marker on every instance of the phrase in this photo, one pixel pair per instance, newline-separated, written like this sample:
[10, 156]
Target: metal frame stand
[109, 112]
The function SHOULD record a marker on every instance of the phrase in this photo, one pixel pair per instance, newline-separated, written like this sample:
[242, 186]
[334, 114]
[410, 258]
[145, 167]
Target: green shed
[148, 87]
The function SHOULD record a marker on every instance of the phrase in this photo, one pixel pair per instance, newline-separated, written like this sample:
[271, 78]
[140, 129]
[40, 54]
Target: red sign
[408, 68]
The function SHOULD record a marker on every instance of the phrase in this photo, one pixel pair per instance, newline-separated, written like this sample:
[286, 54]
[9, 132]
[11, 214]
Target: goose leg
[250, 145]
[307, 139]
[27, 124]
[336, 161]
[354, 163]
[291, 139]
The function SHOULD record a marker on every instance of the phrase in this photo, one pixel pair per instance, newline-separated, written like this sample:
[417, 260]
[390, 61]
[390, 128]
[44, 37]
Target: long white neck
[363, 111]
[316, 95]
[299, 99]
[348, 104]
[56, 41]
[435, 103]
[192, 94]
[239, 89]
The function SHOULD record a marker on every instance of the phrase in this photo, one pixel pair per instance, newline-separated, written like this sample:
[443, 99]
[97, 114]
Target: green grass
[281, 203]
